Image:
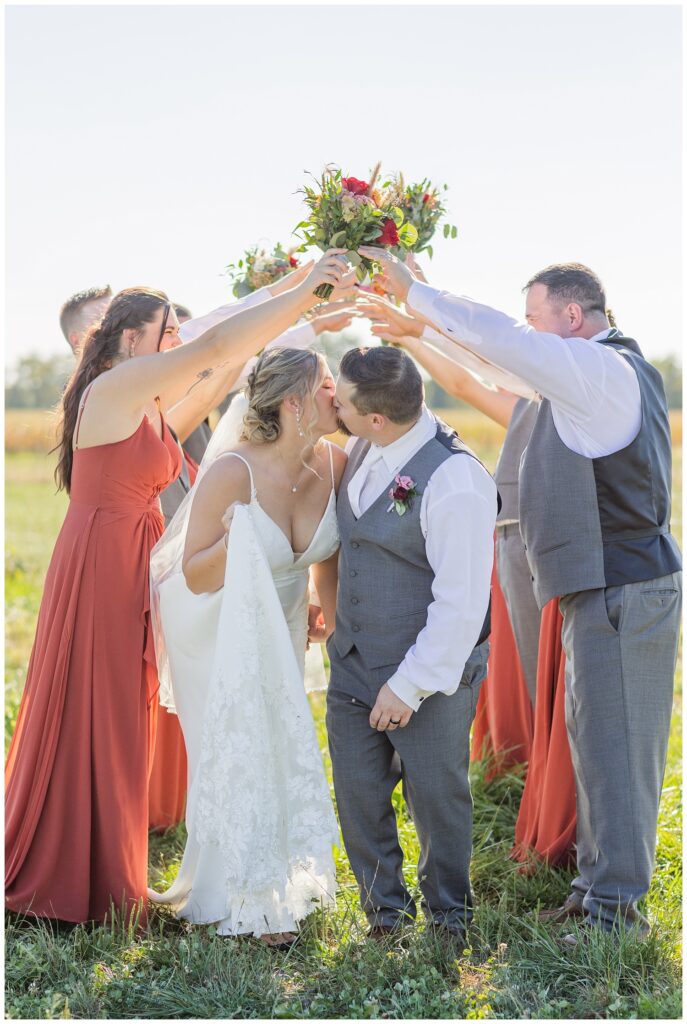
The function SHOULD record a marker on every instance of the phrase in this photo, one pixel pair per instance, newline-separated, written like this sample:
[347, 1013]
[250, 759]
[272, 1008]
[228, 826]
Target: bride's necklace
[294, 487]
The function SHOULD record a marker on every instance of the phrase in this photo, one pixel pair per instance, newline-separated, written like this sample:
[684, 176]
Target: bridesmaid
[77, 770]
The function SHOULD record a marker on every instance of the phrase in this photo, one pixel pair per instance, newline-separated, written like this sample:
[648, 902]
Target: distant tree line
[36, 382]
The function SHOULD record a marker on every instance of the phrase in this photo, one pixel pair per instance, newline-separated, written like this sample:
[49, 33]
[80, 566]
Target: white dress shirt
[477, 366]
[593, 390]
[457, 515]
[302, 335]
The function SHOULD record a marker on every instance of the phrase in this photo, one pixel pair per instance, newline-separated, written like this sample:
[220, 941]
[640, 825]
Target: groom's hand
[389, 712]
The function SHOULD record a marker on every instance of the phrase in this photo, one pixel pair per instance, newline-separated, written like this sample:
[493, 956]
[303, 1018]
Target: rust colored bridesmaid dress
[545, 829]
[167, 786]
[502, 733]
[78, 765]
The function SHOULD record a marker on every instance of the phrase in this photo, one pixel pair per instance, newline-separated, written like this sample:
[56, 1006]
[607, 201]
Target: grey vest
[507, 468]
[385, 580]
[591, 523]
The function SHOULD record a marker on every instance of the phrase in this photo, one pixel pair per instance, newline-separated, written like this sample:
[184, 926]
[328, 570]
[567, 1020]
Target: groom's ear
[377, 421]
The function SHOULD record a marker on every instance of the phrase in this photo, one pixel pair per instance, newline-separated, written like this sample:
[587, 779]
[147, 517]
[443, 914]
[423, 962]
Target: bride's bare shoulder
[228, 475]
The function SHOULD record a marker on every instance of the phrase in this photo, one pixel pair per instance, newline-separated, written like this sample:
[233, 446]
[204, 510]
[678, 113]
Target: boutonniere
[402, 494]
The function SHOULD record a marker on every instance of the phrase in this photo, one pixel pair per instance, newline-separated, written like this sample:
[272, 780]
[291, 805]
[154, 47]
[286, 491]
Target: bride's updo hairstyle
[278, 373]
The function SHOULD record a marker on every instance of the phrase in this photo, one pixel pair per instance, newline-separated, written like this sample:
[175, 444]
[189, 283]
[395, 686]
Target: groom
[416, 513]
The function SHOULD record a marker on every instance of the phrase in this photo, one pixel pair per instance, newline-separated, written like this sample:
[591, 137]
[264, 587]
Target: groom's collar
[404, 447]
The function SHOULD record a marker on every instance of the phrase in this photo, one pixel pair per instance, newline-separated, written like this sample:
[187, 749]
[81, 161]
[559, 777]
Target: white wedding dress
[259, 816]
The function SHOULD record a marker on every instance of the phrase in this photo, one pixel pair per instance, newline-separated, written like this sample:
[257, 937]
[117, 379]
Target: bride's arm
[205, 553]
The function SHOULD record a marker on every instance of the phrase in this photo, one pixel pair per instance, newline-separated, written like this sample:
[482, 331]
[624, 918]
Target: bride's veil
[166, 557]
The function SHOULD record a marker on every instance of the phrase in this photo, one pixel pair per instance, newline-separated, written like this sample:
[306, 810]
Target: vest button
[354, 544]
[356, 629]
[354, 600]
[353, 573]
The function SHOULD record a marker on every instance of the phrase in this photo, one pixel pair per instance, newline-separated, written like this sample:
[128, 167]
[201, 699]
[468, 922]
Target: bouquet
[347, 213]
[423, 208]
[258, 268]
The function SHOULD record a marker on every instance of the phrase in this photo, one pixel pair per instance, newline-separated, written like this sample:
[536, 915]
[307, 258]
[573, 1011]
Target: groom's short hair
[386, 381]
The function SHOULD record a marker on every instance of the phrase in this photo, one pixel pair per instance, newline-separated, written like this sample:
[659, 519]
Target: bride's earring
[298, 421]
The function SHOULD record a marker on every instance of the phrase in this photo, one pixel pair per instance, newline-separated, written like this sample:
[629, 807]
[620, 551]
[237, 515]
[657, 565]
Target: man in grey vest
[595, 495]
[416, 513]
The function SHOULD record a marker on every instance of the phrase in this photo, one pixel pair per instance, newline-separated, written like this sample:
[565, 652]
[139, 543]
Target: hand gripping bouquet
[423, 207]
[258, 267]
[347, 213]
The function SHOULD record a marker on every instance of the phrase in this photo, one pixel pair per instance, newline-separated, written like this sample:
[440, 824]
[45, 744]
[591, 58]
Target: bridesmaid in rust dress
[77, 771]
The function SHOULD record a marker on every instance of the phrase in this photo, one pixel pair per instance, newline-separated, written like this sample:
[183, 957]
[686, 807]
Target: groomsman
[595, 496]
[80, 311]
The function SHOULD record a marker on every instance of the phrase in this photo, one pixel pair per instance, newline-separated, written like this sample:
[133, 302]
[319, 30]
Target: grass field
[513, 968]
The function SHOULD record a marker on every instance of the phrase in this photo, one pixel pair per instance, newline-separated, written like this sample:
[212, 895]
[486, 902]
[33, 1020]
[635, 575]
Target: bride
[230, 582]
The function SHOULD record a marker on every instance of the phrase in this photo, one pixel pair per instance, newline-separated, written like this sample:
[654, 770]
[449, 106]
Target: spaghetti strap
[253, 492]
[331, 463]
[78, 422]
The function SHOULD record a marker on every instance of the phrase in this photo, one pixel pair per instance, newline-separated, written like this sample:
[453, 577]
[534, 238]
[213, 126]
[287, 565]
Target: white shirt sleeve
[300, 336]
[594, 392]
[458, 514]
[193, 329]
[475, 365]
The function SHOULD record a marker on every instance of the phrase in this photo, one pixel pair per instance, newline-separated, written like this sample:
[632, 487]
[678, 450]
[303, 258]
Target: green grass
[513, 969]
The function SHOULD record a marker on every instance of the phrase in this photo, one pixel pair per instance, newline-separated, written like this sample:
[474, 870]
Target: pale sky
[152, 145]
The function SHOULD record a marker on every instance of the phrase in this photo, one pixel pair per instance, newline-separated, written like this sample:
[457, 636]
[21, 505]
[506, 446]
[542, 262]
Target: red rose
[426, 197]
[389, 235]
[293, 262]
[400, 494]
[354, 185]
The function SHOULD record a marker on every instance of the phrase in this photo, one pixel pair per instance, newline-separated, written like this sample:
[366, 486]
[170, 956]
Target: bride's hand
[317, 629]
[229, 515]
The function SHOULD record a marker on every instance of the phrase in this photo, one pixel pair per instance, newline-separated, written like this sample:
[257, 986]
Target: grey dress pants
[430, 756]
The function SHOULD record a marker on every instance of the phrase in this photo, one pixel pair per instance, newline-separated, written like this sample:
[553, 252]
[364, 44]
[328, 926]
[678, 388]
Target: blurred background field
[514, 969]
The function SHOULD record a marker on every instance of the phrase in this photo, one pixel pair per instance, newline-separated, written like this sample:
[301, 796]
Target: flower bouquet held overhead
[423, 207]
[258, 268]
[346, 212]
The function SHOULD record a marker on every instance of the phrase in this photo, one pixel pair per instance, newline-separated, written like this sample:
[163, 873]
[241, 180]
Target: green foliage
[514, 968]
[37, 382]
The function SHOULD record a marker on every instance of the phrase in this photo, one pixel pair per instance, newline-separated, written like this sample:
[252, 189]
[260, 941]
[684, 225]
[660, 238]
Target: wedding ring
[392, 722]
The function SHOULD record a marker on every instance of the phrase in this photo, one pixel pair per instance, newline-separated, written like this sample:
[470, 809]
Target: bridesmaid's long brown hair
[132, 309]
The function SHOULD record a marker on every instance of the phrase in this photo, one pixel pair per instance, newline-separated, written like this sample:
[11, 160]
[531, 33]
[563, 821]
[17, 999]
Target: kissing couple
[383, 551]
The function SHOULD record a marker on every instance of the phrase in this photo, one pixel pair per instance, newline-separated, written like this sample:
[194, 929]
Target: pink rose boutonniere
[402, 494]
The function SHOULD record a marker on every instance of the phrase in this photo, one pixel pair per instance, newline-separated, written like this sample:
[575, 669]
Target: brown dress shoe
[571, 908]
